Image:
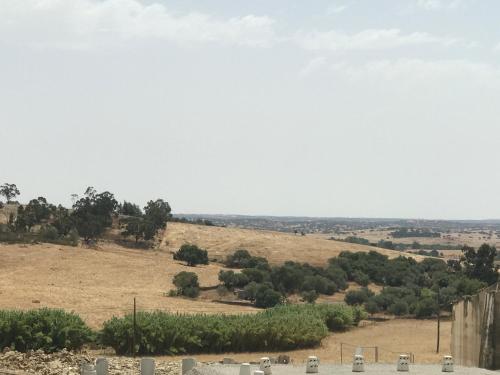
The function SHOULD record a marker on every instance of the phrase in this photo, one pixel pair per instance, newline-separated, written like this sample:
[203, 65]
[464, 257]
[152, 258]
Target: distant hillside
[277, 247]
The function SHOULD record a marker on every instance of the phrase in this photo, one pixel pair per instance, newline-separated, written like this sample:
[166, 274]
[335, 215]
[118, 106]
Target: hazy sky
[320, 108]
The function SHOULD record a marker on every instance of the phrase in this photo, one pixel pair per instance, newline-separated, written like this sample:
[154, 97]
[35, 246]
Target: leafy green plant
[285, 327]
[45, 329]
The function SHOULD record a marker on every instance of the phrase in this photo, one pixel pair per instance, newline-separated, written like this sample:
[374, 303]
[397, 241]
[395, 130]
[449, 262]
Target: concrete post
[265, 366]
[447, 363]
[88, 369]
[403, 362]
[245, 369]
[312, 365]
[187, 365]
[147, 366]
[101, 366]
[358, 363]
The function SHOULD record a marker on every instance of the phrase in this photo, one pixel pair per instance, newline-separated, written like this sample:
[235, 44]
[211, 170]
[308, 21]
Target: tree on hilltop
[9, 191]
[92, 214]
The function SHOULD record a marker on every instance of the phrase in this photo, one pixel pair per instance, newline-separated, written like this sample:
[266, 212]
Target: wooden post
[133, 336]
[376, 354]
[438, 322]
[340, 353]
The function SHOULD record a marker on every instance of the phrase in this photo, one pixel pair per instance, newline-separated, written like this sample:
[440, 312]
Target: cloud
[84, 23]
[375, 39]
[312, 66]
[442, 4]
[335, 9]
[421, 72]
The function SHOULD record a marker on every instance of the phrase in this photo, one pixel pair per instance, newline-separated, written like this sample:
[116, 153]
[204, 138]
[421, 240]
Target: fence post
[340, 353]
[376, 354]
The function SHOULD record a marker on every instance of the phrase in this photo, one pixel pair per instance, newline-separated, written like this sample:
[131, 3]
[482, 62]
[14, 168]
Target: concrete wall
[474, 334]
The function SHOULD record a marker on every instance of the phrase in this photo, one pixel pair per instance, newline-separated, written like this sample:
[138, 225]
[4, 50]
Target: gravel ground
[375, 369]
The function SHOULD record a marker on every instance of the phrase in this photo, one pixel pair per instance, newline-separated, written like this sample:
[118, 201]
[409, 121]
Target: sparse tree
[9, 191]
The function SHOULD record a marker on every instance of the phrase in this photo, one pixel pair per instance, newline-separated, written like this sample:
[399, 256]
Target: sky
[387, 108]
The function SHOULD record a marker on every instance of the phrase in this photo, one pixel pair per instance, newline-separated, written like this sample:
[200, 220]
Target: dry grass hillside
[277, 247]
[97, 284]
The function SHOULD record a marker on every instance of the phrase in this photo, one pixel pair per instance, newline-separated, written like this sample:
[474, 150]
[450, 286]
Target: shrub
[425, 308]
[239, 259]
[265, 297]
[45, 329]
[280, 328]
[371, 307]
[187, 284]
[361, 278]
[358, 297]
[309, 296]
[399, 308]
[192, 255]
[48, 233]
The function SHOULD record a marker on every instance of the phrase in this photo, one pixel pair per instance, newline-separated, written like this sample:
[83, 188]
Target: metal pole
[135, 325]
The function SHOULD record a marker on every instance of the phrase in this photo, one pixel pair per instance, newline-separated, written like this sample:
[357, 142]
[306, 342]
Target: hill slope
[277, 247]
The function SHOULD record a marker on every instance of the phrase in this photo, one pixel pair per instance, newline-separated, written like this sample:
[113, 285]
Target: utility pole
[438, 321]
[133, 336]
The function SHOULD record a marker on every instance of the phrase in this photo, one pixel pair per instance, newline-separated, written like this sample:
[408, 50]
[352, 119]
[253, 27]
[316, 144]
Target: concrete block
[312, 365]
[101, 366]
[403, 362]
[358, 363]
[265, 365]
[448, 364]
[88, 369]
[187, 365]
[245, 369]
[147, 366]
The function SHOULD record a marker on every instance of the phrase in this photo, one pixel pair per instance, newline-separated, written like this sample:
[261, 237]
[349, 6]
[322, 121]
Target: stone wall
[474, 332]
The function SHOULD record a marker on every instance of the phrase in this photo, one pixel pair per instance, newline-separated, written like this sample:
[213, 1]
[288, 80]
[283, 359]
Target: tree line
[409, 287]
[88, 218]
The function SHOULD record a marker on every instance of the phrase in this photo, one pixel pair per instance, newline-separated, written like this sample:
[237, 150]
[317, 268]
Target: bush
[280, 328]
[267, 297]
[309, 296]
[46, 329]
[358, 297]
[187, 284]
[361, 278]
[239, 259]
[192, 255]
[399, 308]
[425, 308]
[371, 307]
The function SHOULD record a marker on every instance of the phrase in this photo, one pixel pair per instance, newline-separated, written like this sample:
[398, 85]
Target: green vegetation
[279, 328]
[414, 232]
[424, 249]
[411, 287]
[192, 255]
[89, 218]
[267, 285]
[187, 284]
[45, 329]
[9, 191]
